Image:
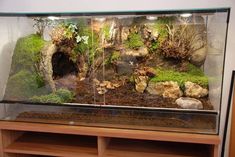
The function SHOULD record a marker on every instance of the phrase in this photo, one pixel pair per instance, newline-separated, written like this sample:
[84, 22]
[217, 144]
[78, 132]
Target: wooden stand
[20, 139]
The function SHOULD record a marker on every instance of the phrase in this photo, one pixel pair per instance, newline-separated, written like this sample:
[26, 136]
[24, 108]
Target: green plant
[60, 96]
[27, 53]
[89, 49]
[194, 75]
[154, 46]
[134, 41]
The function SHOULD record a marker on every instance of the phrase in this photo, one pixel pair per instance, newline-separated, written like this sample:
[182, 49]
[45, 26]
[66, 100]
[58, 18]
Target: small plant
[134, 41]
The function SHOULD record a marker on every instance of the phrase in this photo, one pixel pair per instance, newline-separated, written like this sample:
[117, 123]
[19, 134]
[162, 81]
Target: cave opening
[62, 65]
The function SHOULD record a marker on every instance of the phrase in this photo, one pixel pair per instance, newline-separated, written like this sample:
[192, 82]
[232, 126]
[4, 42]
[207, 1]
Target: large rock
[168, 89]
[198, 57]
[141, 52]
[45, 64]
[189, 103]
[124, 68]
[141, 83]
[195, 90]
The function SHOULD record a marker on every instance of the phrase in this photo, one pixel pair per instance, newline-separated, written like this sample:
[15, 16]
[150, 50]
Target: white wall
[131, 5]
[9, 35]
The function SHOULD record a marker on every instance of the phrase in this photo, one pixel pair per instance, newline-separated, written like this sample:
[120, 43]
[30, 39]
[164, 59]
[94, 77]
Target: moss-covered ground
[194, 74]
[60, 96]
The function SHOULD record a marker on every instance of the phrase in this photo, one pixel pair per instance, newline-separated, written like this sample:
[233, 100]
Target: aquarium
[152, 70]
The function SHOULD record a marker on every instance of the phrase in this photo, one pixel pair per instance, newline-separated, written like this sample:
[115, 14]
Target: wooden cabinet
[30, 140]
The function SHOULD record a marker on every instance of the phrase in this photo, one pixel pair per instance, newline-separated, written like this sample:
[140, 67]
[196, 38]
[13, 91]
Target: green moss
[193, 70]
[134, 41]
[65, 95]
[193, 75]
[58, 97]
[50, 98]
[27, 53]
[22, 85]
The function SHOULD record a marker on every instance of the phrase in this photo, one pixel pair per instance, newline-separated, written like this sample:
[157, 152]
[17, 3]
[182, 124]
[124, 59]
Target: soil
[126, 96]
[131, 119]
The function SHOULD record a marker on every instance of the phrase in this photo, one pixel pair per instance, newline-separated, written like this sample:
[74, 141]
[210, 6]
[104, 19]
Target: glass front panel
[144, 70]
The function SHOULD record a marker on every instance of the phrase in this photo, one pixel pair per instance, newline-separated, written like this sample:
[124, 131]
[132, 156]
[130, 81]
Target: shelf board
[59, 145]
[140, 148]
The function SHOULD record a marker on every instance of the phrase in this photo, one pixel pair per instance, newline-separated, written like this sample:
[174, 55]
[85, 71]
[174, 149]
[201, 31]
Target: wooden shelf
[140, 148]
[54, 145]
[39, 140]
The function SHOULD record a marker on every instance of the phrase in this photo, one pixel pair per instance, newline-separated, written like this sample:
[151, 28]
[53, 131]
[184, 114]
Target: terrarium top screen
[157, 60]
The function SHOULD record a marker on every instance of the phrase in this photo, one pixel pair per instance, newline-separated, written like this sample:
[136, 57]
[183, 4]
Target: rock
[198, 57]
[151, 72]
[195, 90]
[141, 83]
[168, 89]
[124, 68]
[189, 103]
[125, 32]
[141, 52]
[101, 90]
[146, 71]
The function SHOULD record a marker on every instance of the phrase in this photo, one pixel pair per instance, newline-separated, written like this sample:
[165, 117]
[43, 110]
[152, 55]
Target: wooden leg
[214, 151]
[102, 145]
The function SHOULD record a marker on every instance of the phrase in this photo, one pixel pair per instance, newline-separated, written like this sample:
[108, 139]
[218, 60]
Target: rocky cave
[62, 65]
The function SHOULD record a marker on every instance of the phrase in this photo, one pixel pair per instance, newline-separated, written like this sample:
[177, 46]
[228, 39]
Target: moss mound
[25, 80]
[58, 97]
[27, 53]
[22, 85]
[194, 75]
[134, 41]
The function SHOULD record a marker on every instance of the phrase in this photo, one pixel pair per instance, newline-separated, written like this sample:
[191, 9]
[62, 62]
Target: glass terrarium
[158, 70]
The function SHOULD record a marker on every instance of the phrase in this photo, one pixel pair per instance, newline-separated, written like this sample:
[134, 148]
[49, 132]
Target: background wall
[132, 5]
